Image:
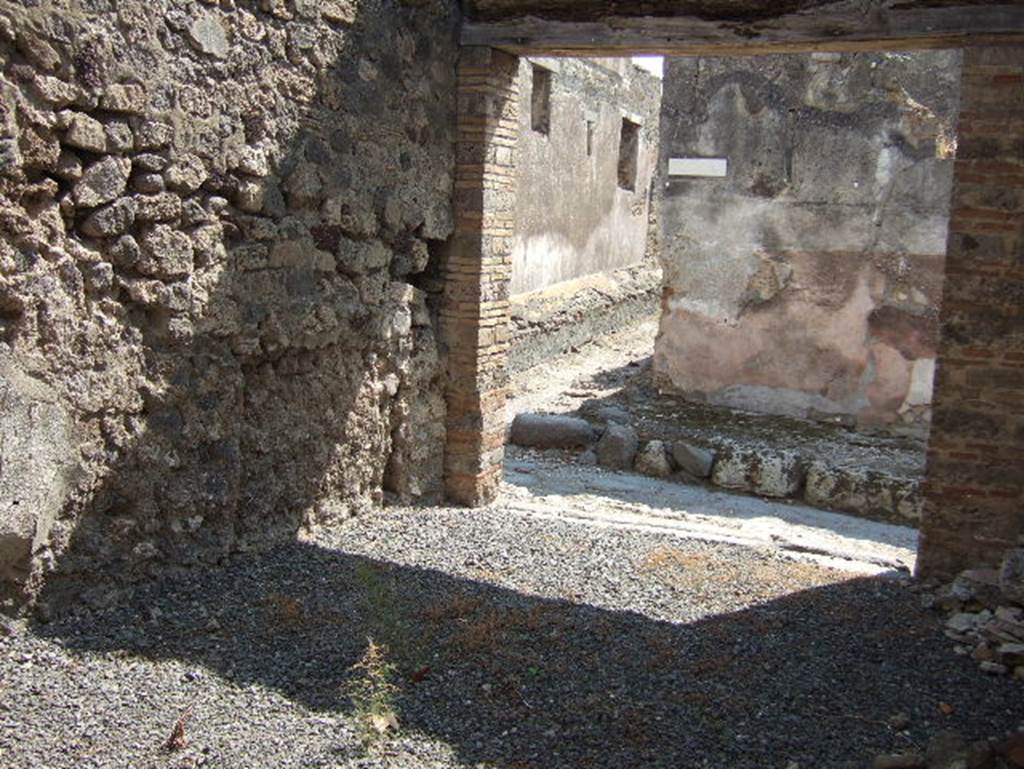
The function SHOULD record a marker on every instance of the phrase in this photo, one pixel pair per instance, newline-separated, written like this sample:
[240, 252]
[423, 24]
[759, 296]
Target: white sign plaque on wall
[715, 167]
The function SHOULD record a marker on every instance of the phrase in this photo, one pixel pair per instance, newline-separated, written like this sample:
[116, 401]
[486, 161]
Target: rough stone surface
[807, 281]
[102, 181]
[1011, 576]
[617, 447]
[37, 459]
[230, 384]
[551, 431]
[124, 97]
[763, 472]
[207, 34]
[111, 220]
[692, 459]
[652, 460]
[86, 133]
[869, 492]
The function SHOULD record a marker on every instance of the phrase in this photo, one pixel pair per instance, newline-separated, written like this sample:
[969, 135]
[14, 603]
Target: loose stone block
[694, 460]
[550, 431]
[617, 447]
[652, 460]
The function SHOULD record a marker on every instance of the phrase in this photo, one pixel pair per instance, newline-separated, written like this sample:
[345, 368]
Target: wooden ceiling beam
[846, 25]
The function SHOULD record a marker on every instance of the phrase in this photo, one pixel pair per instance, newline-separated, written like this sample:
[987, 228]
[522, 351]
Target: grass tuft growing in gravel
[372, 690]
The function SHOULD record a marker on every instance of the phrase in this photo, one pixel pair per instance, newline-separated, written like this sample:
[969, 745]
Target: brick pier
[974, 493]
[477, 274]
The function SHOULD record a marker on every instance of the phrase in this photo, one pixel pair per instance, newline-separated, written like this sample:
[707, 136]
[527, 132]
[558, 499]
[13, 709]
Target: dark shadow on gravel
[521, 681]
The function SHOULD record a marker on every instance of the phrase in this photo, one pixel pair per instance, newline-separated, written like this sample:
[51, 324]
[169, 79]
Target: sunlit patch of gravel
[517, 642]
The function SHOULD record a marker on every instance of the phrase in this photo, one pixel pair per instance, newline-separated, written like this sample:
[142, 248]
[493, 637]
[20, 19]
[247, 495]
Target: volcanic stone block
[547, 431]
[37, 457]
[693, 459]
[760, 471]
[617, 447]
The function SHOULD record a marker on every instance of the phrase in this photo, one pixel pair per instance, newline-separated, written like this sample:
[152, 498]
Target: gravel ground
[517, 642]
[573, 624]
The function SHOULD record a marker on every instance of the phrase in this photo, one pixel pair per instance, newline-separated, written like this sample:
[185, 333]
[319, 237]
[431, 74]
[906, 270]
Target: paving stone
[868, 493]
[770, 474]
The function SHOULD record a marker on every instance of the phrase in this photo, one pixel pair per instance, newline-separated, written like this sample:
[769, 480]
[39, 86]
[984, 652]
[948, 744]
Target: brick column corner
[477, 274]
[974, 484]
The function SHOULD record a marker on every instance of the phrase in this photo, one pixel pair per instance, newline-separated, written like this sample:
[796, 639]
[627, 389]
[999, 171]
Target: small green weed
[372, 690]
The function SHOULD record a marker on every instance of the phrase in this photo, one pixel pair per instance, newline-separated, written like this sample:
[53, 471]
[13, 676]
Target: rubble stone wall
[216, 275]
[807, 281]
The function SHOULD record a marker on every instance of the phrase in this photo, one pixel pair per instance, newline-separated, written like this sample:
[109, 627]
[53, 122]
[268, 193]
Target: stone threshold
[830, 467]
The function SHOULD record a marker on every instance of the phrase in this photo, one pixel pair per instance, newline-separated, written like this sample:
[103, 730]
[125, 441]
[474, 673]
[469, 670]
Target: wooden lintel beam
[843, 26]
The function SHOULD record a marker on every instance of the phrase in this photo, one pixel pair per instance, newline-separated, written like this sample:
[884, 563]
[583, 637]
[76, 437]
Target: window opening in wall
[629, 151]
[590, 138]
[540, 100]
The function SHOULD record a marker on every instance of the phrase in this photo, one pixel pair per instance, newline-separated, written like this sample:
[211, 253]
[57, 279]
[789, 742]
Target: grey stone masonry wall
[215, 220]
[807, 280]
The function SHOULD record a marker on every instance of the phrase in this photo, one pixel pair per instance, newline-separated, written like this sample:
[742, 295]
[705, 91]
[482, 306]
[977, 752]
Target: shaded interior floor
[612, 650]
